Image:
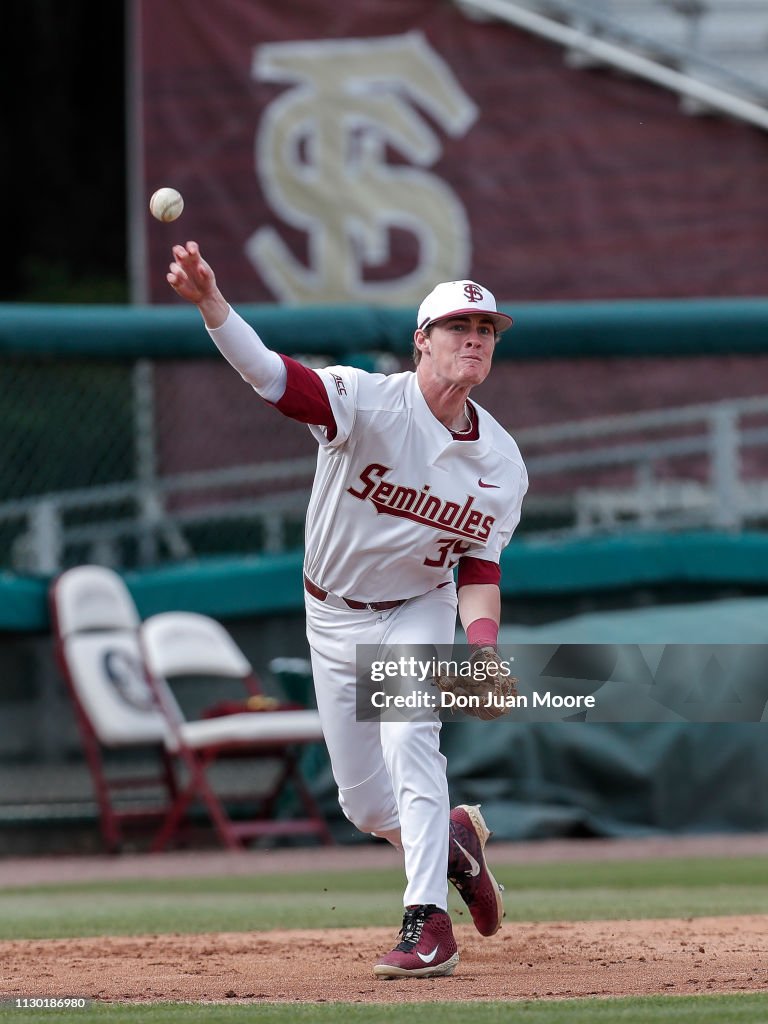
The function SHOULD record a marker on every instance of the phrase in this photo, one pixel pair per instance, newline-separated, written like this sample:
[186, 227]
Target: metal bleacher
[731, 36]
[713, 53]
[701, 466]
[691, 467]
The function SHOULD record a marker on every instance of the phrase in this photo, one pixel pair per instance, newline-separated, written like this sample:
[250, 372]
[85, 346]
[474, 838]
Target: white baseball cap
[460, 298]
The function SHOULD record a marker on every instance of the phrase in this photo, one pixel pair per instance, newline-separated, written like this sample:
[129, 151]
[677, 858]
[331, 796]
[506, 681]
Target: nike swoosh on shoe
[474, 866]
[427, 958]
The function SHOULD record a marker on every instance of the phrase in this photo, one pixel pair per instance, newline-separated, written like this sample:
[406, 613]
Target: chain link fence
[130, 443]
[134, 463]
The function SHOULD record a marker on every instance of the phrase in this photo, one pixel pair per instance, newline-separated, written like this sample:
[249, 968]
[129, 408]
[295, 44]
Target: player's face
[460, 349]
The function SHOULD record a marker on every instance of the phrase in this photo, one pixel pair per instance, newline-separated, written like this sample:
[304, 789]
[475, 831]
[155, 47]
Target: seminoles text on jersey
[421, 506]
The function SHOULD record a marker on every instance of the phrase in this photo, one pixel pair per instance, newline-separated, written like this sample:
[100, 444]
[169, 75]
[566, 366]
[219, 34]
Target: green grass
[536, 892]
[573, 891]
[739, 1009]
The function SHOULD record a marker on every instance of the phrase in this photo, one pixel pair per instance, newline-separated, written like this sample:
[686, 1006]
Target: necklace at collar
[468, 418]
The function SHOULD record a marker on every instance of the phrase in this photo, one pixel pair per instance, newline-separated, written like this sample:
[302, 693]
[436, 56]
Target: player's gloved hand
[488, 683]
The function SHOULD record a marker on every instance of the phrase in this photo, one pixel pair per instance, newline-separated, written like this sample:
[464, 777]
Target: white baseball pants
[391, 774]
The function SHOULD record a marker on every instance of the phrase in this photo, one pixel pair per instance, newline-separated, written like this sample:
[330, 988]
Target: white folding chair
[122, 703]
[186, 644]
[95, 630]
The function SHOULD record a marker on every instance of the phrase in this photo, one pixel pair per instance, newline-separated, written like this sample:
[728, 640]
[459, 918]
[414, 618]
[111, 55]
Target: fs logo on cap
[460, 298]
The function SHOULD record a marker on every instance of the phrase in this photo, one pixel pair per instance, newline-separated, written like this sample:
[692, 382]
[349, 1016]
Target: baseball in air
[166, 204]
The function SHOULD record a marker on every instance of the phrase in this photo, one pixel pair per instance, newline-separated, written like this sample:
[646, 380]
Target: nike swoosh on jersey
[474, 866]
[429, 957]
[495, 486]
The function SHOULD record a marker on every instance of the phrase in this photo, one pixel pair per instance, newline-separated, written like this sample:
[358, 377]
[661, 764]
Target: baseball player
[413, 479]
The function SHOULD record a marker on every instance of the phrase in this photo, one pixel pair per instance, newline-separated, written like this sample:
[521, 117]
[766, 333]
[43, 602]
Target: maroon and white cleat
[468, 871]
[427, 949]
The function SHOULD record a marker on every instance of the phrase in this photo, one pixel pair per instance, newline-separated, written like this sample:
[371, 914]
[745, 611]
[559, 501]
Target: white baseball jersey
[396, 499]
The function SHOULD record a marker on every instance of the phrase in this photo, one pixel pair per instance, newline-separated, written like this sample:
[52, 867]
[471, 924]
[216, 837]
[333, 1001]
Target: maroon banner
[361, 153]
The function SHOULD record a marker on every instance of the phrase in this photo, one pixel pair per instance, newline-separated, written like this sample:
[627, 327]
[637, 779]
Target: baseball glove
[488, 683]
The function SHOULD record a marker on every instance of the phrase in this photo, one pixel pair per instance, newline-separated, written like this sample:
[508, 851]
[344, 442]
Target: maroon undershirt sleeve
[305, 398]
[477, 570]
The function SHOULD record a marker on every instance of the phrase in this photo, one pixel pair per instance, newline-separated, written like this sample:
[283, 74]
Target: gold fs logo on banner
[321, 158]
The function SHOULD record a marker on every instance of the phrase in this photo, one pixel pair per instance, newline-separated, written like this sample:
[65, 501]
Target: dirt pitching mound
[524, 961]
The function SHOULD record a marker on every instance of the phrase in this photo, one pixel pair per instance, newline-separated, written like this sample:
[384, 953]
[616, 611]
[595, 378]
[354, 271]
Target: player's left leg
[468, 870]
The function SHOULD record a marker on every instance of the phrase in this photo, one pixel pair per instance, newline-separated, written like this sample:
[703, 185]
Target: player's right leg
[417, 767]
[363, 772]
[354, 745]
[427, 948]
